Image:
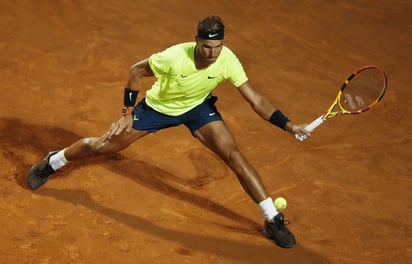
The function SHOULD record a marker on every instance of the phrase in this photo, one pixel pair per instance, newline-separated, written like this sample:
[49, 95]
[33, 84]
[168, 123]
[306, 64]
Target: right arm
[137, 72]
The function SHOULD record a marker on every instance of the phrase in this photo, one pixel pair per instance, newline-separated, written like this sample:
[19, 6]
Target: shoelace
[282, 224]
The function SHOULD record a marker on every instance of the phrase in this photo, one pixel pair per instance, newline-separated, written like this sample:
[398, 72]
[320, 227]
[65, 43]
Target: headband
[213, 35]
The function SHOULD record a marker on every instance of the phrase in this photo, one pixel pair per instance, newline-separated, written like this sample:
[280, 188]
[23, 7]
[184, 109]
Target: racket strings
[362, 90]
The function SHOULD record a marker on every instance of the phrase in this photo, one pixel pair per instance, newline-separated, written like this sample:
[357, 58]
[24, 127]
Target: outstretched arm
[267, 110]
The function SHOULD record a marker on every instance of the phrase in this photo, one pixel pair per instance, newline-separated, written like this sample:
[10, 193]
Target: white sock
[58, 160]
[268, 208]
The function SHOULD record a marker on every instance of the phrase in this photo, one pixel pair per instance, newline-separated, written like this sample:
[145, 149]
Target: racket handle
[317, 122]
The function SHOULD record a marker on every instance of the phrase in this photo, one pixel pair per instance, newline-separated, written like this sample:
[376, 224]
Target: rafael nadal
[186, 74]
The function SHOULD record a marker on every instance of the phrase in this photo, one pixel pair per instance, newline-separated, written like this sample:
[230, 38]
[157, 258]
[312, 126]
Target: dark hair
[211, 27]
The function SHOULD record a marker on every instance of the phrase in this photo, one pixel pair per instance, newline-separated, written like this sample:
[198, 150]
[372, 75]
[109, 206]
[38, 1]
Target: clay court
[167, 199]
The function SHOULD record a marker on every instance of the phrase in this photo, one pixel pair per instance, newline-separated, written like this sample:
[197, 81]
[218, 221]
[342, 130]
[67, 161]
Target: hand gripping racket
[359, 92]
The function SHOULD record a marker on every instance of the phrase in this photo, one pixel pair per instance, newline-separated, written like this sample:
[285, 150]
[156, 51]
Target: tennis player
[186, 75]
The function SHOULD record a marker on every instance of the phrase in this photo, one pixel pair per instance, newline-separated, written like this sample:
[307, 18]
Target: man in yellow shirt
[186, 75]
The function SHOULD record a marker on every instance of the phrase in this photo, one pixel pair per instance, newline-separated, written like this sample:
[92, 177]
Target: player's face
[207, 51]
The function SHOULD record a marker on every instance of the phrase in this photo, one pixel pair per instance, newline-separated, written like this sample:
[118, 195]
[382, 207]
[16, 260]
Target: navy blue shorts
[146, 118]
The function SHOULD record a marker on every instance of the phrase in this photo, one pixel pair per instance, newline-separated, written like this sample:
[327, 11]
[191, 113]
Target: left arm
[264, 108]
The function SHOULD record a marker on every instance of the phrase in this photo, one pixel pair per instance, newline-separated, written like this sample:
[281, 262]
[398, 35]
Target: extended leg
[83, 148]
[217, 137]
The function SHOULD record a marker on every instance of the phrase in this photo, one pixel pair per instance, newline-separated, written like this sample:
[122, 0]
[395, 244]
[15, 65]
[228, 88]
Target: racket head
[362, 90]
[359, 92]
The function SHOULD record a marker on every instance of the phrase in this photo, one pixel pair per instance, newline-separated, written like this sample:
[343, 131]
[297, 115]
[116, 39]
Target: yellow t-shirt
[180, 86]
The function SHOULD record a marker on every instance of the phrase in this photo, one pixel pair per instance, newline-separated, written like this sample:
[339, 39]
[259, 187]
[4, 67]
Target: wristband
[126, 111]
[130, 97]
[279, 119]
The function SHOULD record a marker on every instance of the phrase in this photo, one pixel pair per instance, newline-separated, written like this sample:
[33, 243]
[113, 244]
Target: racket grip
[317, 122]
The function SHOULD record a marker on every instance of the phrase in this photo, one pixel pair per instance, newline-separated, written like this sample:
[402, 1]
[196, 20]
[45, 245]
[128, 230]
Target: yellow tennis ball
[280, 203]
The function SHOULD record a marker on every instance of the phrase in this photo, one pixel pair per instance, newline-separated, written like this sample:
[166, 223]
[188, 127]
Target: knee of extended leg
[106, 148]
[235, 157]
[94, 146]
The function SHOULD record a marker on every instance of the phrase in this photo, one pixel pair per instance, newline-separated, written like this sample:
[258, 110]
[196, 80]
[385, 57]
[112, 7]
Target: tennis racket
[359, 92]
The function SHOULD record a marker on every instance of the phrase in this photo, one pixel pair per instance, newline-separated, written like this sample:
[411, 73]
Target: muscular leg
[94, 146]
[217, 137]
[116, 139]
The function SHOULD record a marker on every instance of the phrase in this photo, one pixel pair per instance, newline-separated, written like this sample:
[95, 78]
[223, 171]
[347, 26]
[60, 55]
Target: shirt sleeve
[236, 74]
[159, 62]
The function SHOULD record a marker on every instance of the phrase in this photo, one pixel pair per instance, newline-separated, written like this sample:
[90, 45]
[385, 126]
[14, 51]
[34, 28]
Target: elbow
[140, 69]
[135, 70]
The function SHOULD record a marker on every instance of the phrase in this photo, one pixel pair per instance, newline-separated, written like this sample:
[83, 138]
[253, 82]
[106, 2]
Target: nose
[214, 52]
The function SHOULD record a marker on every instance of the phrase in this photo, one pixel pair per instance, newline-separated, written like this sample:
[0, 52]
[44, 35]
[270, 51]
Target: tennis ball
[280, 203]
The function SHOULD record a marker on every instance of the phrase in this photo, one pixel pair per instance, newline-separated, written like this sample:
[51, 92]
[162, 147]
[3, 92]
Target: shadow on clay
[17, 136]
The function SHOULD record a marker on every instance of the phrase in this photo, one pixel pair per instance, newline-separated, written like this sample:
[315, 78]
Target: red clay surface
[166, 199]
